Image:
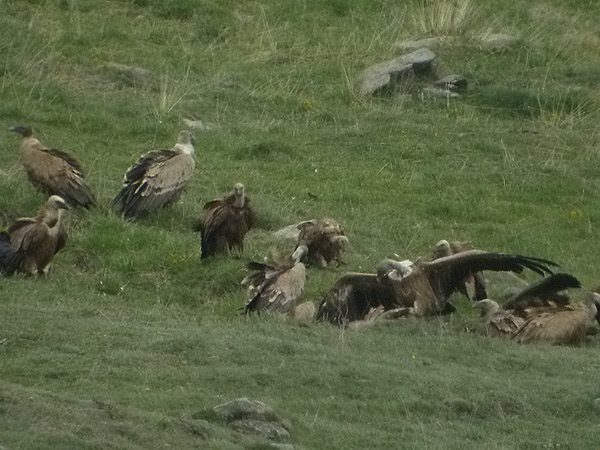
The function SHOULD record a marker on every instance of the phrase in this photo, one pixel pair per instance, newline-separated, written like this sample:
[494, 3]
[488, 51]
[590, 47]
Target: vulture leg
[480, 287]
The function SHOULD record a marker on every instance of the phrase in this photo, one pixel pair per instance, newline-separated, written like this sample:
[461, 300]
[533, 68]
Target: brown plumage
[53, 171]
[497, 322]
[275, 287]
[225, 222]
[423, 286]
[29, 244]
[445, 248]
[325, 240]
[560, 325]
[156, 179]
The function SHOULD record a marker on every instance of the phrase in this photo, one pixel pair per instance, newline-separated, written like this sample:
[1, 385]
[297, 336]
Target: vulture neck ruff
[186, 148]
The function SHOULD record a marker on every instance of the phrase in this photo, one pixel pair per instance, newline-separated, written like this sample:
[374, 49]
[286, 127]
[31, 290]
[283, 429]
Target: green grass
[132, 340]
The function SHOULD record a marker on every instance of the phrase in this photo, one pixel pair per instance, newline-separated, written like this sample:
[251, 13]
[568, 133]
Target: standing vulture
[422, 287]
[444, 248]
[156, 179]
[275, 288]
[29, 244]
[225, 223]
[325, 241]
[53, 171]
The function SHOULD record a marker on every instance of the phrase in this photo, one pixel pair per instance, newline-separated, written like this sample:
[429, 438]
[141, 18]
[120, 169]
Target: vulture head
[186, 141]
[23, 130]
[442, 248]
[56, 202]
[487, 307]
[239, 194]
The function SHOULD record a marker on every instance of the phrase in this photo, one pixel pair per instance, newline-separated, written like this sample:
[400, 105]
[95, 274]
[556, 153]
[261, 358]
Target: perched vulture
[29, 245]
[53, 171]
[422, 287]
[444, 248]
[275, 288]
[225, 223]
[156, 179]
[325, 241]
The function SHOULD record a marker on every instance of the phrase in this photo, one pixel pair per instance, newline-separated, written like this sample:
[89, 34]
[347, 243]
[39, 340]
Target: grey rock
[392, 72]
[429, 92]
[497, 41]
[454, 82]
[199, 125]
[269, 430]
[244, 408]
[432, 43]
[291, 232]
[129, 75]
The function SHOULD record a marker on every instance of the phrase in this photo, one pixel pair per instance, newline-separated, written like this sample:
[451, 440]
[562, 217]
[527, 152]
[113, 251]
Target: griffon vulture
[444, 248]
[157, 178]
[225, 222]
[422, 287]
[29, 244]
[541, 313]
[53, 171]
[275, 288]
[325, 241]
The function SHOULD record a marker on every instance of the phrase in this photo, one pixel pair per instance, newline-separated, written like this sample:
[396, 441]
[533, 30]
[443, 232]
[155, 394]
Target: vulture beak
[22, 130]
[299, 253]
[62, 205]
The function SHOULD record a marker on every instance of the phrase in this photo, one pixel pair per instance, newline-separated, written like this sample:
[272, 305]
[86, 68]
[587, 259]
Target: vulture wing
[213, 229]
[447, 274]
[25, 234]
[154, 181]
[57, 172]
[274, 289]
[543, 291]
[10, 260]
[503, 324]
[353, 296]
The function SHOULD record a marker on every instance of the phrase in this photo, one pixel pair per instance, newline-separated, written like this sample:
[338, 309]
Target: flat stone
[432, 43]
[394, 71]
[291, 232]
[497, 41]
[129, 75]
[244, 408]
[269, 430]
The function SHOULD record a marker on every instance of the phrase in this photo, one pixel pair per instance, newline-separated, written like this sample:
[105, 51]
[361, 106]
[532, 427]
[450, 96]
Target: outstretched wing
[544, 291]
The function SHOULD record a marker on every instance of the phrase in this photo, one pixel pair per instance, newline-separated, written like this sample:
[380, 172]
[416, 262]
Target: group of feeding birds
[541, 312]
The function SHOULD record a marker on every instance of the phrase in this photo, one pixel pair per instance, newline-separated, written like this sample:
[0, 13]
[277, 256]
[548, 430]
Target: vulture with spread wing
[445, 248]
[325, 240]
[542, 313]
[276, 287]
[156, 179]
[422, 287]
[29, 245]
[225, 222]
[53, 171]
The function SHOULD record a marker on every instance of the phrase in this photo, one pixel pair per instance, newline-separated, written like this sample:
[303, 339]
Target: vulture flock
[541, 312]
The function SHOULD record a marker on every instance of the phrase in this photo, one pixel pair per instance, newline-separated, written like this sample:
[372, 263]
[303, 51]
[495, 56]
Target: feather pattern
[54, 171]
[157, 179]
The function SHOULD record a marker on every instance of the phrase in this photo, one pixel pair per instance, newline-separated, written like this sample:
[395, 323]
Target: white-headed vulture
[156, 179]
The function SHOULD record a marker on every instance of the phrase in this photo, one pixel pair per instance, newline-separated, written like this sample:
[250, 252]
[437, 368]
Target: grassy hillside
[132, 340]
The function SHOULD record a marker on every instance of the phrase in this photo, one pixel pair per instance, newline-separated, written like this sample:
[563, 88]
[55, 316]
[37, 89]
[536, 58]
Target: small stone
[129, 75]
[199, 125]
[497, 41]
[269, 430]
[438, 93]
[454, 82]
